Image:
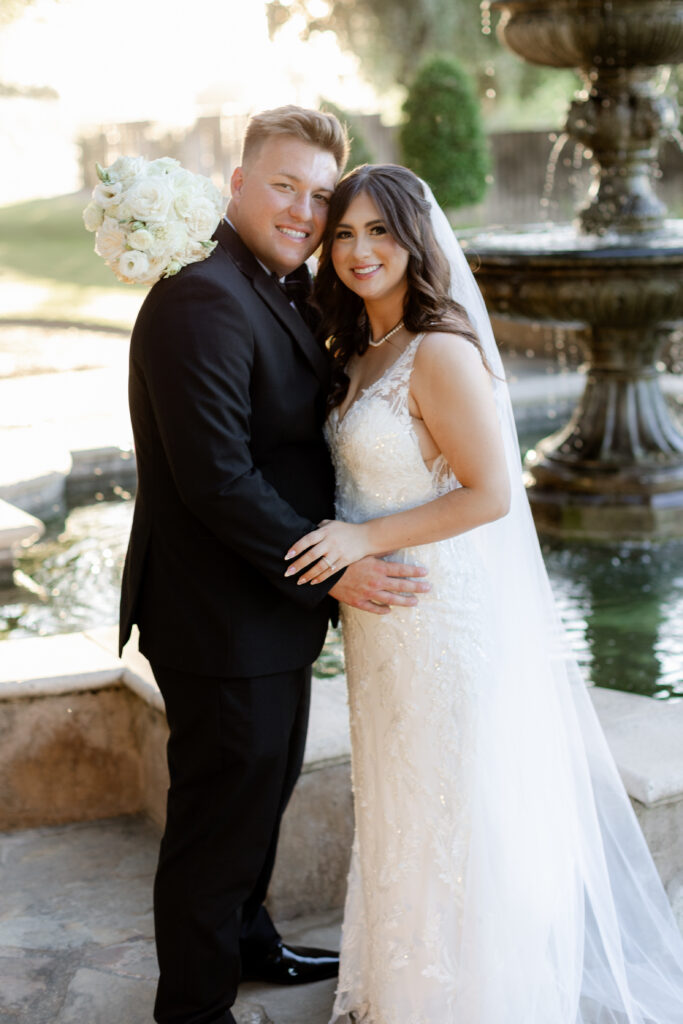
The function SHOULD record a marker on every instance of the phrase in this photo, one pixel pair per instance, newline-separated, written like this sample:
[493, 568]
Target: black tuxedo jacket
[227, 398]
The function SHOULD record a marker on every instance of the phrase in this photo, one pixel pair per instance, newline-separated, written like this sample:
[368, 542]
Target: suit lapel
[273, 296]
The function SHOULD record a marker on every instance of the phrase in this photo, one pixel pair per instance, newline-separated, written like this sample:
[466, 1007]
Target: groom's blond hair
[316, 127]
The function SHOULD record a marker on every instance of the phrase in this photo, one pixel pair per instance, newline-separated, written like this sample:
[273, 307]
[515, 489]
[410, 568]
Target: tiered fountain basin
[616, 469]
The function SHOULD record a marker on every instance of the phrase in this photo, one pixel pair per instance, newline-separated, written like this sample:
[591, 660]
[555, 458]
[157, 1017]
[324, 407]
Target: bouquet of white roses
[152, 218]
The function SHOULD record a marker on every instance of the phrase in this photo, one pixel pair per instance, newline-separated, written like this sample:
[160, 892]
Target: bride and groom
[498, 875]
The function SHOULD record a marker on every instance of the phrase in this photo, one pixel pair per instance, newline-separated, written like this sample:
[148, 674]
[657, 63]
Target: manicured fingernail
[290, 571]
[290, 554]
[302, 580]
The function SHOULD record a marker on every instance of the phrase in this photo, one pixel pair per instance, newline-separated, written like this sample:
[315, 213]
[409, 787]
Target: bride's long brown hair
[397, 193]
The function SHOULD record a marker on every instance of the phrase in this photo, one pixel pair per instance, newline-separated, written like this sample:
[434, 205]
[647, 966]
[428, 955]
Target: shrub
[442, 138]
[359, 154]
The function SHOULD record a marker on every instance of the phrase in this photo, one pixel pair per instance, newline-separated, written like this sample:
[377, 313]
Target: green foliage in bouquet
[442, 138]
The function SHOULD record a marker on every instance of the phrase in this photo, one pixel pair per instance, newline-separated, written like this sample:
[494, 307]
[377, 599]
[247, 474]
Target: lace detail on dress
[382, 470]
[416, 679]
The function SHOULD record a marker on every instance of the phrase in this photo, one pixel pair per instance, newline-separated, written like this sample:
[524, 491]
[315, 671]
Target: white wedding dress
[498, 875]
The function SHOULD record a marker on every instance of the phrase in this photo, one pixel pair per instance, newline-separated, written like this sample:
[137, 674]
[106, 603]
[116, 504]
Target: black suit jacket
[227, 398]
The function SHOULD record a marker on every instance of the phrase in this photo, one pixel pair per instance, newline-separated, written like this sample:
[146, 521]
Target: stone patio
[76, 932]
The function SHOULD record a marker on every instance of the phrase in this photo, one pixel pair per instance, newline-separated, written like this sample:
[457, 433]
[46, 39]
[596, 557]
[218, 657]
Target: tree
[443, 138]
[11, 9]
[391, 37]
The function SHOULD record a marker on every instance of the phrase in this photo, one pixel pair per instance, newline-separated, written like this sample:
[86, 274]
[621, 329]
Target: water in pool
[623, 606]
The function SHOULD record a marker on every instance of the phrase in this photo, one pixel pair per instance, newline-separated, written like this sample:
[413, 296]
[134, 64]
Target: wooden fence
[524, 189]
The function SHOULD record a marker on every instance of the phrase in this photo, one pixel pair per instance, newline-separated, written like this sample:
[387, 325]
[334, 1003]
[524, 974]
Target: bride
[498, 873]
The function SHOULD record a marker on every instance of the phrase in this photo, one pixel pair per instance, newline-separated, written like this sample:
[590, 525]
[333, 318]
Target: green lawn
[49, 271]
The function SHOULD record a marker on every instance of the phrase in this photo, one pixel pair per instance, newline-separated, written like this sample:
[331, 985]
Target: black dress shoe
[291, 965]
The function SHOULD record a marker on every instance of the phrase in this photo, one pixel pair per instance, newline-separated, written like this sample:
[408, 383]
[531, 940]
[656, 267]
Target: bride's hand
[325, 551]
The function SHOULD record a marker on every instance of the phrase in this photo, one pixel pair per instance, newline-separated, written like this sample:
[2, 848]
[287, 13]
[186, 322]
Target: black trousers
[235, 751]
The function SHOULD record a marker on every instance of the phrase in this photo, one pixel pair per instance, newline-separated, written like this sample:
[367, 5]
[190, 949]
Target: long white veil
[566, 917]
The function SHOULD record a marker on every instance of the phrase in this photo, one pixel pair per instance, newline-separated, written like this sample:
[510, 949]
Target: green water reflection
[623, 609]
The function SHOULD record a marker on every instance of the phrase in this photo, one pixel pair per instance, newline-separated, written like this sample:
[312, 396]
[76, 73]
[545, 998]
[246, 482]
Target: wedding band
[324, 559]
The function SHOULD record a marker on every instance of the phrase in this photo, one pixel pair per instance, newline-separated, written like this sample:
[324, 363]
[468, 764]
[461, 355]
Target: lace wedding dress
[487, 885]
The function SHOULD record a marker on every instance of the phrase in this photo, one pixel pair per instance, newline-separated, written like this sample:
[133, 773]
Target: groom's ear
[236, 181]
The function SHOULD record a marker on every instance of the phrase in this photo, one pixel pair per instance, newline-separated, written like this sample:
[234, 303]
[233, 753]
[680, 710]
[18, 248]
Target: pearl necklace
[385, 337]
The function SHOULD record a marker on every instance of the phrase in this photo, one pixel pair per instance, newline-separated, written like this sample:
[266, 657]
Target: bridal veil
[566, 919]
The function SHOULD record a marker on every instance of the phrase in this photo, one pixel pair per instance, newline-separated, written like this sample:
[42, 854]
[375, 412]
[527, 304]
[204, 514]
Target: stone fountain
[616, 469]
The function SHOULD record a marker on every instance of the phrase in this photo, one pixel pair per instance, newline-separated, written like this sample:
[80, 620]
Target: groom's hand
[373, 585]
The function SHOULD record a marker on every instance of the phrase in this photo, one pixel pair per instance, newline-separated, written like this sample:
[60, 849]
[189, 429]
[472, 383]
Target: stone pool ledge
[17, 529]
[41, 473]
[55, 665]
[50, 420]
[83, 734]
[646, 740]
[83, 737]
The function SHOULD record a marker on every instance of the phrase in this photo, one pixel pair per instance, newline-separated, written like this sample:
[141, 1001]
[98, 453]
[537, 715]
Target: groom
[227, 397]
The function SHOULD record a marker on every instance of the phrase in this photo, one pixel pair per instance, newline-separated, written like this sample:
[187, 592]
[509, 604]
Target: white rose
[125, 168]
[184, 199]
[93, 216]
[213, 194]
[122, 212]
[148, 199]
[202, 220]
[133, 265]
[164, 165]
[195, 251]
[181, 178]
[107, 195]
[207, 189]
[156, 269]
[169, 239]
[110, 240]
[140, 239]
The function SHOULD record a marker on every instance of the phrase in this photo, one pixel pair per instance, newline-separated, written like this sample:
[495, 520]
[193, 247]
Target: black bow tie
[297, 287]
[294, 287]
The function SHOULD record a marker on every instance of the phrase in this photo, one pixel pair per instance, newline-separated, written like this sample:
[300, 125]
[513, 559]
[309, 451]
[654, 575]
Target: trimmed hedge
[443, 139]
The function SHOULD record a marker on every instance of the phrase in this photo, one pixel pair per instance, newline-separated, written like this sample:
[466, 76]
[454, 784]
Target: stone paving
[76, 932]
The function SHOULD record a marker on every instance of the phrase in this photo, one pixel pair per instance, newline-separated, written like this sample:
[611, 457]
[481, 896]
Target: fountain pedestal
[616, 469]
